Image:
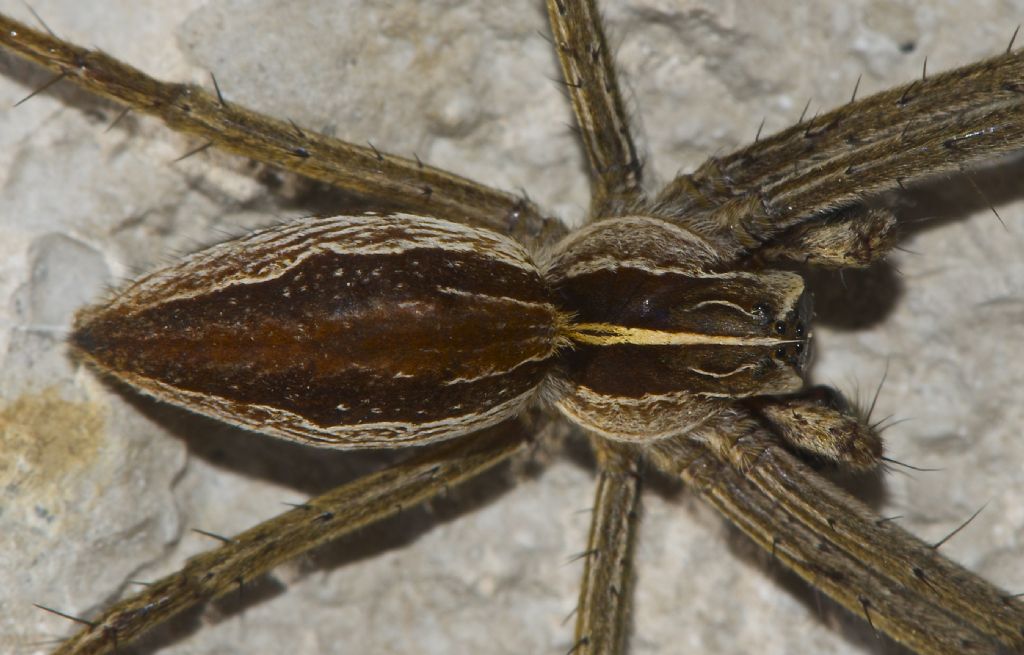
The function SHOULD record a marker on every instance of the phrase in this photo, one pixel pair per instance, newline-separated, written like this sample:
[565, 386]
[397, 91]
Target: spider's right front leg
[898, 584]
[820, 423]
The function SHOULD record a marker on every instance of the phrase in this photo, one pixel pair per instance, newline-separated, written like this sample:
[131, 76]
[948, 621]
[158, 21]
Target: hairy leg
[894, 581]
[253, 553]
[384, 179]
[926, 128]
[588, 71]
[603, 616]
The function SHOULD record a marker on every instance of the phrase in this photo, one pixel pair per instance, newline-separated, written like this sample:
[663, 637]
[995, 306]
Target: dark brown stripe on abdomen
[342, 339]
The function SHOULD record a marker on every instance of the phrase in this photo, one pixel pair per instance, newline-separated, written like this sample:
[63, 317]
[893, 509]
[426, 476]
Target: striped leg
[815, 171]
[897, 583]
[388, 181]
[589, 72]
[602, 616]
[325, 518]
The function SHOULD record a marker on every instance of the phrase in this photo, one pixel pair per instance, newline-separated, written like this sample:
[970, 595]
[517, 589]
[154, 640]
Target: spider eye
[780, 327]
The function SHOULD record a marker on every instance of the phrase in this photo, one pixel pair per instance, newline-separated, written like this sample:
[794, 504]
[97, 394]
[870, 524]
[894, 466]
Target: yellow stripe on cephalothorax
[609, 334]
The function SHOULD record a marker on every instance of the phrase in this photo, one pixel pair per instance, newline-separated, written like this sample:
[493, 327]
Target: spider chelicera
[567, 145]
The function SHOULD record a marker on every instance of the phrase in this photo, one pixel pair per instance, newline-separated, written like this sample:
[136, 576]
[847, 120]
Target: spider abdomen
[346, 331]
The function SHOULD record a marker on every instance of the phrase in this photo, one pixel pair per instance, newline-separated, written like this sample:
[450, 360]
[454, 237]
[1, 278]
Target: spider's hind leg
[386, 181]
[327, 517]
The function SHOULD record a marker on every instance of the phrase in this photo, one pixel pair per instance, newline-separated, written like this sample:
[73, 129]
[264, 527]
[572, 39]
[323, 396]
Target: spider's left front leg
[772, 195]
[854, 237]
[589, 72]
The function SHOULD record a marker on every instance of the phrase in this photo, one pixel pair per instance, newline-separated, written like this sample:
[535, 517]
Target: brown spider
[643, 638]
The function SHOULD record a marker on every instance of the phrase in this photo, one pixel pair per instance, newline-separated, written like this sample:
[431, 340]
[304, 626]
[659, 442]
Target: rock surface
[100, 488]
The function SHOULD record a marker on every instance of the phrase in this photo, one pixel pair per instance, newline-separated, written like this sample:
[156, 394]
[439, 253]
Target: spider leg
[863, 123]
[899, 584]
[389, 181]
[337, 512]
[932, 126]
[602, 615]
[589, 73]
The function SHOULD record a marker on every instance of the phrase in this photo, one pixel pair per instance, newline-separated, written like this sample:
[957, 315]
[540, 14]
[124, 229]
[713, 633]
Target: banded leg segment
[602, 616]
[327, 517]
[878, 571]
[589, 72]
[393, 182]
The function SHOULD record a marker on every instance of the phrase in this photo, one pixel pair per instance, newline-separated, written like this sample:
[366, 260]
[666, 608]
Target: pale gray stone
[101, 488]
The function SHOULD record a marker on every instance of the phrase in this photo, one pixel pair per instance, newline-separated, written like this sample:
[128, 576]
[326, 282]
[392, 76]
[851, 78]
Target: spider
[647, 523]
